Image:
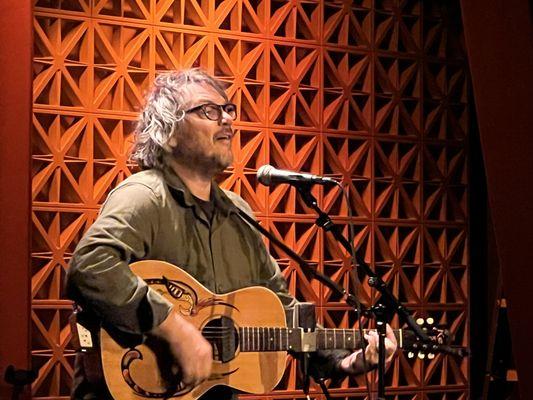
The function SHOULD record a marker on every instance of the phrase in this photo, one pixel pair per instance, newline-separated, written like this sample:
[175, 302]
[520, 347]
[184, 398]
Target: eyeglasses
[214, 111]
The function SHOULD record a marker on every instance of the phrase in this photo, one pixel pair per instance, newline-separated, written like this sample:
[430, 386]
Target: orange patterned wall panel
[372, 92]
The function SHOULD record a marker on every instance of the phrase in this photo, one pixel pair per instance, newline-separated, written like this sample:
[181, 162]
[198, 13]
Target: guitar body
[146, 371]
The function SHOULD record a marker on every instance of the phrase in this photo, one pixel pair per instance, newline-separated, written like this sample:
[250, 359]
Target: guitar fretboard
[285, 339]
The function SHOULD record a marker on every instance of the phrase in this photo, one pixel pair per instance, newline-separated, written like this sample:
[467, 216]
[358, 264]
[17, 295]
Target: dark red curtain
[15, 114]
[499, 39]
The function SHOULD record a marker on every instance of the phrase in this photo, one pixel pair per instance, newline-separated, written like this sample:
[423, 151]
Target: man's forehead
[203, 92]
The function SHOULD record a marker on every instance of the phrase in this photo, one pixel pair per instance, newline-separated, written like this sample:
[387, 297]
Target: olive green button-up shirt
[152, 215]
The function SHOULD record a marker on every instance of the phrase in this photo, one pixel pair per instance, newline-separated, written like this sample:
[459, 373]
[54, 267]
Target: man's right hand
[191, 351]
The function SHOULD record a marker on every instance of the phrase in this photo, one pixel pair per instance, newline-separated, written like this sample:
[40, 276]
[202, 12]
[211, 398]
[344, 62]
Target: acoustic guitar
[246, 328]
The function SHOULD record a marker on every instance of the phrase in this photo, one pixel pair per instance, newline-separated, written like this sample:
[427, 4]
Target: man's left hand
[353, 364]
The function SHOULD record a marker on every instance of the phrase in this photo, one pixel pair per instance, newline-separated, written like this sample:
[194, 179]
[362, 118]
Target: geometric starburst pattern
[372, 93]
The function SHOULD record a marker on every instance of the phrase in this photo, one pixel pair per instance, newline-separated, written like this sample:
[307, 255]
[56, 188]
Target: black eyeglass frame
[222, 108]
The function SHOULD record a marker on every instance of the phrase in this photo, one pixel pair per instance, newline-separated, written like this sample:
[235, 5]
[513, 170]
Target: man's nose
[225, 118]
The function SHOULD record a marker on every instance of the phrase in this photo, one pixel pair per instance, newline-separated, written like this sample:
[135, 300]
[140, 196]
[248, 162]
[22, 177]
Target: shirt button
[220, 287]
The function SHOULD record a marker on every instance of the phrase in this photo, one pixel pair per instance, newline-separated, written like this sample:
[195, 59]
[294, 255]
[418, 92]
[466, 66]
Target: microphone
[267, 175]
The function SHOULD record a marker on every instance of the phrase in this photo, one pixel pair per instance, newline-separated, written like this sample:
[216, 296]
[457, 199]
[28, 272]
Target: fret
[334, 338]
[351, 339]
[339, 342]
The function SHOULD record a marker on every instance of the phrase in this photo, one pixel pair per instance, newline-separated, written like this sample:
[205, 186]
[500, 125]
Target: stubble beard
[189, 153]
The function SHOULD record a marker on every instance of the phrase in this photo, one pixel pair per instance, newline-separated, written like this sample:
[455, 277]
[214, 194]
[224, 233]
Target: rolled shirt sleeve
[99, 277]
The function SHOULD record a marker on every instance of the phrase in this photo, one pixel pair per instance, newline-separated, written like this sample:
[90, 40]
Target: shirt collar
[184, 195]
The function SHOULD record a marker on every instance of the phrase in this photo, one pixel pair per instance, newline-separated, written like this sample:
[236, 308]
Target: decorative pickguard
[185, 296]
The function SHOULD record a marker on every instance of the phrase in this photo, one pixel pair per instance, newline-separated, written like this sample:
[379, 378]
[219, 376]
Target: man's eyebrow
[211, 101]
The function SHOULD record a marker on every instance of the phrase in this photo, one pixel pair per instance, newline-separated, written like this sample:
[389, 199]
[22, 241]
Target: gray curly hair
[163, 114]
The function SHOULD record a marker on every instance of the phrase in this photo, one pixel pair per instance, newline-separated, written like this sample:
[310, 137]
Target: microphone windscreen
[263, 174]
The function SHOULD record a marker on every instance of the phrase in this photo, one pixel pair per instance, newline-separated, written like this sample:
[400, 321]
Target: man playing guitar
[173, 211]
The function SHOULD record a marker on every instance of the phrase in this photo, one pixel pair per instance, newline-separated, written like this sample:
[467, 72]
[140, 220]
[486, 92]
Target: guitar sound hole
[223, 336]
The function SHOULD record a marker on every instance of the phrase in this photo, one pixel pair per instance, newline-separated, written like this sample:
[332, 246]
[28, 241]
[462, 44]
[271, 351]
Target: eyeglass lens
[214, 111]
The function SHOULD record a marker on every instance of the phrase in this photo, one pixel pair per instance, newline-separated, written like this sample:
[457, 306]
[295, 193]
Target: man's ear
[171, 144]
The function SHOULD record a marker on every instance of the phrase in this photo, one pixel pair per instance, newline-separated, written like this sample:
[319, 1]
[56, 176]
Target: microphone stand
[325, 222]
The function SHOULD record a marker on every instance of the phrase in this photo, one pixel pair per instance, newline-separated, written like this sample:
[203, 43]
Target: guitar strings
[224, 332]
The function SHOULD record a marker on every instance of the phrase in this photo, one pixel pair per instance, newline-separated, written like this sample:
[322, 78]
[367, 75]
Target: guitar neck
[297, 340]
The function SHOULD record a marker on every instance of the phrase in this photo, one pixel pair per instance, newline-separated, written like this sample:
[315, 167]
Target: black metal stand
[325, 222]
[381, 325]
[19, 378]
